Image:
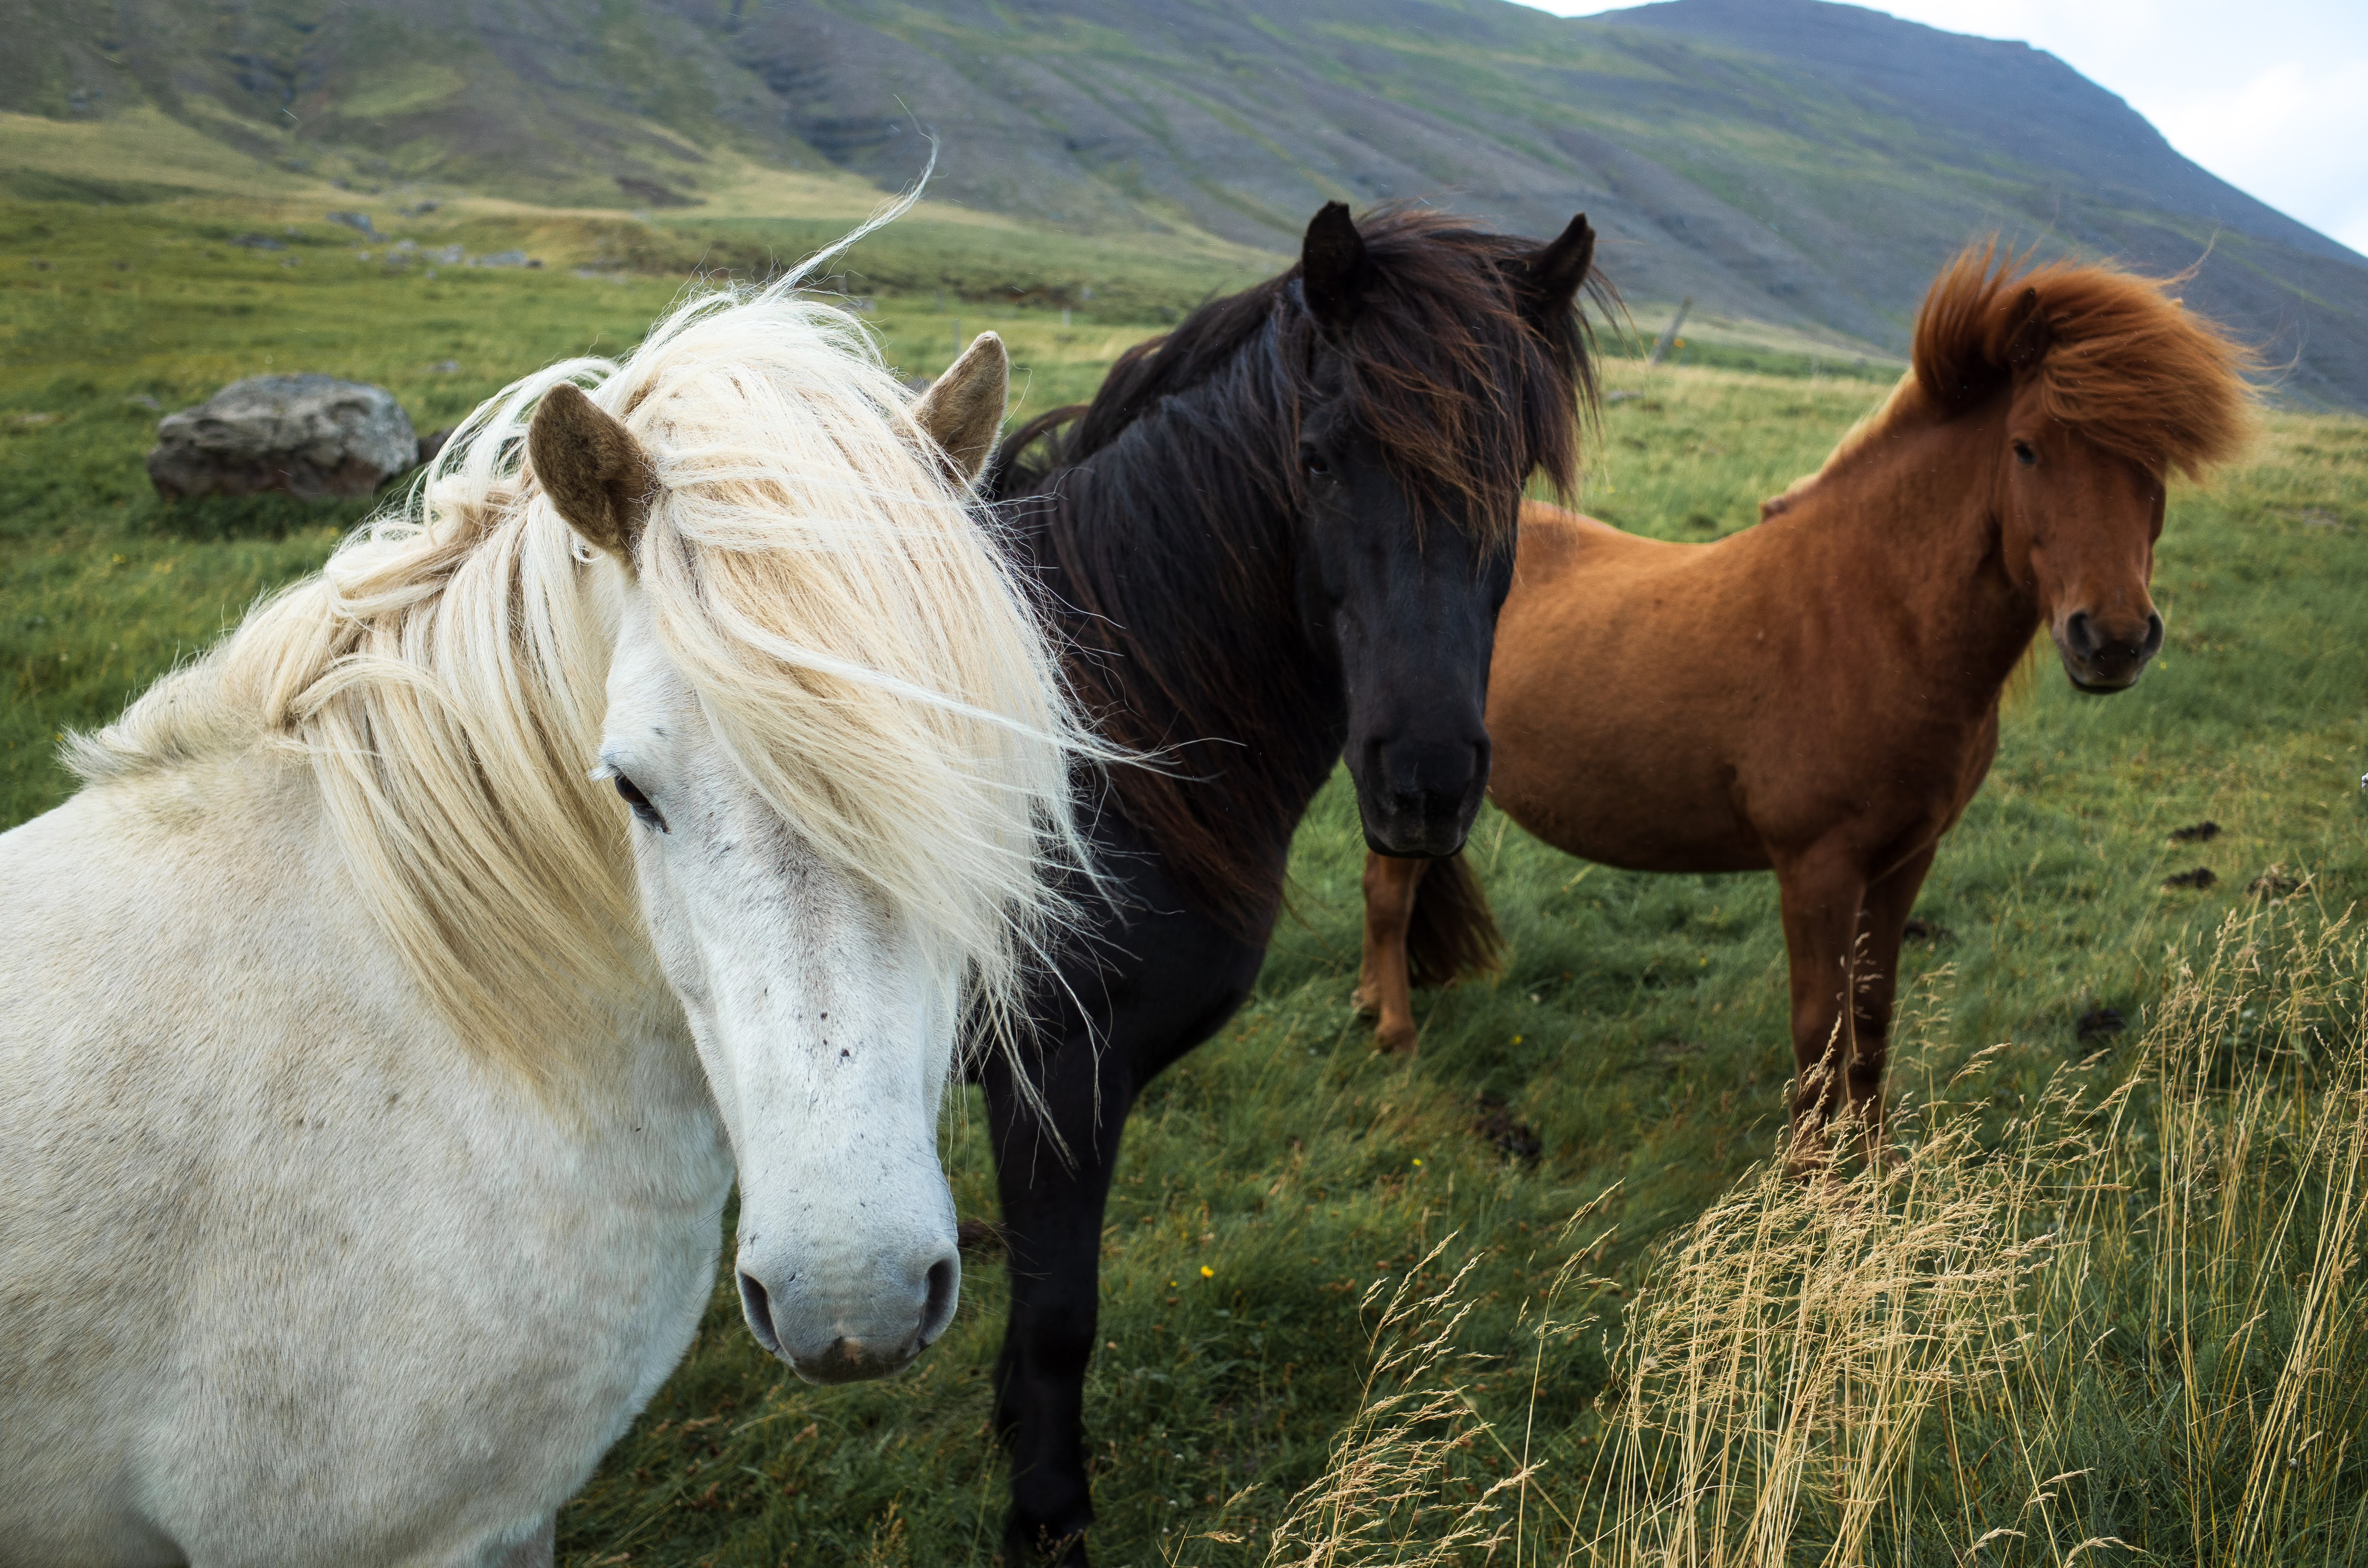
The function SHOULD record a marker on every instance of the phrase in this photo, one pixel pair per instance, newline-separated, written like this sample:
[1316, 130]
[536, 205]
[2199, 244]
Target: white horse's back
[225, 1099]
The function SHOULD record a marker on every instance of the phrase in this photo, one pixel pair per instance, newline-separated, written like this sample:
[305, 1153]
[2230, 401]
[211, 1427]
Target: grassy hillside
[1637, 1040]
[110, 316]
[1786, 162]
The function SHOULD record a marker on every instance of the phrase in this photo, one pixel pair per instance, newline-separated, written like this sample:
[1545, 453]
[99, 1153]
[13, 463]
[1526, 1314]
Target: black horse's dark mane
[1159, 515]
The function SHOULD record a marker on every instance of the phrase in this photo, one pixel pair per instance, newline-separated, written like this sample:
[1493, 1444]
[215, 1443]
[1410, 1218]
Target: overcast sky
[2270, 95]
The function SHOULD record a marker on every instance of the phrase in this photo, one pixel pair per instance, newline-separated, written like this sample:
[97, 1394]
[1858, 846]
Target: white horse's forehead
[650, 702]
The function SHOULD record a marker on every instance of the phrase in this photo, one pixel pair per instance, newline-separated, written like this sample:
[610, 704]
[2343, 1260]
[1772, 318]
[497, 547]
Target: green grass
[1640, 1031]
[106, 586]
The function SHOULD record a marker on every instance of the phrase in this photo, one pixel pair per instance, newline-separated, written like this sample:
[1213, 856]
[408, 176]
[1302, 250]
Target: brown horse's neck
[1913, 519]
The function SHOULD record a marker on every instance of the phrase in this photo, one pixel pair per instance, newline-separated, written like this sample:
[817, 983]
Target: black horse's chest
[1151, 977]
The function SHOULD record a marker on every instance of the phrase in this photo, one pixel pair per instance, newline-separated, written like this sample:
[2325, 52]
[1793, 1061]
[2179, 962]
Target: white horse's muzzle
[865, 1326]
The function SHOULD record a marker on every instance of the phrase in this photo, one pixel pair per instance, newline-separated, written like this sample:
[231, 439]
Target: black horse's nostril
[757, 1308]
[945, 1290]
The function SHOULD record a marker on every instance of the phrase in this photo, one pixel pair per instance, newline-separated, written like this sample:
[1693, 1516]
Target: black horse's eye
[639, 803]
[2025, 455]
[1313, 461]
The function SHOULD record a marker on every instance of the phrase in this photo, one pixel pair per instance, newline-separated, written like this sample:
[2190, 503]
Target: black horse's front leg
[1053, 1202]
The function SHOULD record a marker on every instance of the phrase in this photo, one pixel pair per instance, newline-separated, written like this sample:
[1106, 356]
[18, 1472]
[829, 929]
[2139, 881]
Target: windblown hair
[1161, 514]
[2126, 364]
[854, 632]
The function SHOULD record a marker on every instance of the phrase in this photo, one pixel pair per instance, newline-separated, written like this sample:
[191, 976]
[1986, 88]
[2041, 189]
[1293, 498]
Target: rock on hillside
[308, 436]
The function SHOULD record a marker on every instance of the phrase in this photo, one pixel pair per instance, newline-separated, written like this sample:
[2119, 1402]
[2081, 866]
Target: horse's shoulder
[1554, 541]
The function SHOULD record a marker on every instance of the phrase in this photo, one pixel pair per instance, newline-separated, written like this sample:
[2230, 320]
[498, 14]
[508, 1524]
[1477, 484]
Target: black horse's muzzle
[1418, 799]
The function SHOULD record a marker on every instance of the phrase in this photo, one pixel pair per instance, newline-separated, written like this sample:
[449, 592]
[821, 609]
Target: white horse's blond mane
[859, 643]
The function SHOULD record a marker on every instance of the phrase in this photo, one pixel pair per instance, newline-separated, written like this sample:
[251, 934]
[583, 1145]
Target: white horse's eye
[640, 803]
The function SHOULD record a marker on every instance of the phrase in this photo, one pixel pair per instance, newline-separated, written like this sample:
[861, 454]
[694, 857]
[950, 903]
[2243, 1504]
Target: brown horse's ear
[593, 469]
[961, 412]
[1334, 270]
[1551, 276]
[2029, 335]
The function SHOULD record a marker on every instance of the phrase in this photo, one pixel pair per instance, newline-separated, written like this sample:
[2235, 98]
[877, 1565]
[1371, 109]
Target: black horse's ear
[2029, 333]
[1551, 276]
[1333, 268]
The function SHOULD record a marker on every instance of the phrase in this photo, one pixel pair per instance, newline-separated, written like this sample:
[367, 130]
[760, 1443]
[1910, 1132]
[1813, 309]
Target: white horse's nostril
[945, 1293]
[757, 1308]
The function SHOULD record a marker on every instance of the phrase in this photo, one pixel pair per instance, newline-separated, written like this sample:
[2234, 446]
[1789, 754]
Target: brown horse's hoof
[1814, 1156]
[1808, 1156]
[1395, 1043]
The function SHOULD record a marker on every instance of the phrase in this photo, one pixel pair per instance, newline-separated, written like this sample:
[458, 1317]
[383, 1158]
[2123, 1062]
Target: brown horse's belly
[1602, 797]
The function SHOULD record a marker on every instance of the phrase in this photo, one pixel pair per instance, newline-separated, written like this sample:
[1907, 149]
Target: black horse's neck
[1164, 534]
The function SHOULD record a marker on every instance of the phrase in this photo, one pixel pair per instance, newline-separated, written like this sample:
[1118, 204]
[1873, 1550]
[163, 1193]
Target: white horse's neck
[210, 1045]
[265, 806]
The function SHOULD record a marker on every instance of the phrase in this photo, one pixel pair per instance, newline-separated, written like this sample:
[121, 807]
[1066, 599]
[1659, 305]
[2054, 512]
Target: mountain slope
[1790, 161]
[2022, 104]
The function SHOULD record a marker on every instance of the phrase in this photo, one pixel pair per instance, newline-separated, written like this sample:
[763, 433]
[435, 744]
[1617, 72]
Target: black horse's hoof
[1034, 1545]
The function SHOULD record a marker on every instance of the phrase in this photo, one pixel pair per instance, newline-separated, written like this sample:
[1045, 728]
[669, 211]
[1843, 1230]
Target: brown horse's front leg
[1821, 895]
[1390, 885]
[1883, 922]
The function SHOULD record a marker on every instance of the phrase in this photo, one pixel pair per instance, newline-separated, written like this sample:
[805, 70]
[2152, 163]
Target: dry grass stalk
[1973, 1349]
[2228, 1237]
[2128, 1326]
[1777, 1371]
[1385, 1497]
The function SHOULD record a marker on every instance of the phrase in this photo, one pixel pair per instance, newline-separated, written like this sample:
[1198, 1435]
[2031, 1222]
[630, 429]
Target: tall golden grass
[2121, 1318]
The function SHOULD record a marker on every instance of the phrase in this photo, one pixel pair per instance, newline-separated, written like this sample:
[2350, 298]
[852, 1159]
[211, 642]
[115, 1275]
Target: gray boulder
[307, 435]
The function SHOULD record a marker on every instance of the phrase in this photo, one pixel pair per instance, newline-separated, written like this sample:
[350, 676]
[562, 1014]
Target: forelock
[2128, 365]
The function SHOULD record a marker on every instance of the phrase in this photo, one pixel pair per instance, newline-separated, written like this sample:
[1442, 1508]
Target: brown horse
[1819, 696]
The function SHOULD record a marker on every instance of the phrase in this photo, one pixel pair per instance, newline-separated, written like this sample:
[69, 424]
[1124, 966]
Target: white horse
[382, 1025]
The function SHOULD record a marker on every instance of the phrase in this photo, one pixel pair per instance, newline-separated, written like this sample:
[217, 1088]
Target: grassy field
[1569, 1164]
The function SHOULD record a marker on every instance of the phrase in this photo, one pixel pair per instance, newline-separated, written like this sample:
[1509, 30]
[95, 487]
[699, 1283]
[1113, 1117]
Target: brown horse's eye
[2025, 455]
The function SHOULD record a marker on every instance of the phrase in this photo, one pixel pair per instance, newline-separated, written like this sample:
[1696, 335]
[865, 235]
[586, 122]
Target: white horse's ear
[593, 469]
[963, 410]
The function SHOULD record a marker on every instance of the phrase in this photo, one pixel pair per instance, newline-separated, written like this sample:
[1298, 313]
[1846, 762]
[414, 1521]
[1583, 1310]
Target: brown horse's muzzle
[2105, 654]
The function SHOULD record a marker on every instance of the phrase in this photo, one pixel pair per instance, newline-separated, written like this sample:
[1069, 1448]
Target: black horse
[1282, 529]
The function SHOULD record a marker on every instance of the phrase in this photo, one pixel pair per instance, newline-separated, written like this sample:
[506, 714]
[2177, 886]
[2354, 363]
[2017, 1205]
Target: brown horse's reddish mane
[2125, 363]
[2127, 366]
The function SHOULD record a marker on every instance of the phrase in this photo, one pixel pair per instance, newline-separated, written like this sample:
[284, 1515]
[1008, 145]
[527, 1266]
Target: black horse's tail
[1451, 934]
